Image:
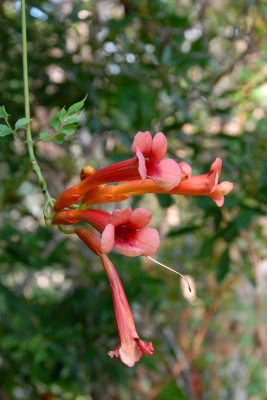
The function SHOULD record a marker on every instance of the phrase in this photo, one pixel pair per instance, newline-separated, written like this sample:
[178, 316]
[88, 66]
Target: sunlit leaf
[21, 123]
[76, 106]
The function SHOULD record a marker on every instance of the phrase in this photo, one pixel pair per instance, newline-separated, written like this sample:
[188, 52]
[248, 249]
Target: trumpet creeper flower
[124, 229]
[149, 162]
[195, 185]
[131, 347]
[128, 233]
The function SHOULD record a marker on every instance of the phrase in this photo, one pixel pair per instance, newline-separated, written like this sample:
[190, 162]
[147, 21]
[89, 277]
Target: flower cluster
[126, 230]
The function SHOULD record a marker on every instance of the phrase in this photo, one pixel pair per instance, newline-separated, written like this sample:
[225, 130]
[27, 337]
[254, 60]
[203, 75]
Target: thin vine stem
[29, 140]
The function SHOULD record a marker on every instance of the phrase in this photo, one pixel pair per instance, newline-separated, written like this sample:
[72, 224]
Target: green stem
[64, 230]
[29, 140]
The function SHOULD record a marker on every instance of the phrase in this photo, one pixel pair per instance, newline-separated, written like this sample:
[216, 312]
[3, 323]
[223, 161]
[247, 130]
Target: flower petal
[148, 240]
[108, 238]
[140, 218]
[166, 174]
[114, 353]
[142, 141]
[120, 217]
[141, 164]
[219, 200]
[130, 352]
[159, 147]
[186, 170]
[146, 348]
[214, 174]
[129, 250]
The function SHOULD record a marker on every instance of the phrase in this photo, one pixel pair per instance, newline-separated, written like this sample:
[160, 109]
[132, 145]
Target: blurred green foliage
[195, 70]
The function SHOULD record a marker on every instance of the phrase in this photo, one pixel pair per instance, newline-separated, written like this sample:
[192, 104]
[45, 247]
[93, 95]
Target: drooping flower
[149, 162]
[131, 347]
[124, 229]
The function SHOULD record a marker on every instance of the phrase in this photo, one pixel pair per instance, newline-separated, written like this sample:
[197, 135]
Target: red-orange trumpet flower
[148, 162]
[124, 229]
[131, 347]
[196, 185]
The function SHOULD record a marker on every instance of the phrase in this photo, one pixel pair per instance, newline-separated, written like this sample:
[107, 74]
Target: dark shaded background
[197, 71]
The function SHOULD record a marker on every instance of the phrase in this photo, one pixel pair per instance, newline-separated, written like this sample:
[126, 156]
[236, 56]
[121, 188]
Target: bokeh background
[197, 71]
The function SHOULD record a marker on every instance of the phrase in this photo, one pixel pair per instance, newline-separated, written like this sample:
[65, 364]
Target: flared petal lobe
[213, 175]
[166, 173]
[120, 217]
[143, 142]
[159, 147]
[140, 218]
[108, 239]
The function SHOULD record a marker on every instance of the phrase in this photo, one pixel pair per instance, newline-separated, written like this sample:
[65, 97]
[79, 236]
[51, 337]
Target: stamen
[172, 270]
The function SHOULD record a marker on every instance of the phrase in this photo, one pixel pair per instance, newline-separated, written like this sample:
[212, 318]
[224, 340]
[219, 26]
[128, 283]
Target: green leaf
[76, 106]
[55, 121]
[170, 392]
[61, 114]
[44, 136]
[59, 138]
[224, 266]
[68, 130]
[5, 130]
[20, 123]
[73, 118]
[3, 113]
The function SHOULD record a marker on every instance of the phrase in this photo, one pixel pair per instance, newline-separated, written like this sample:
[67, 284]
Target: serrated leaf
[5, 130]
[44, 136]
[76, 106]
[20, 123]
[55, 121]
[61, 113]
[68, 130]
[3, 113]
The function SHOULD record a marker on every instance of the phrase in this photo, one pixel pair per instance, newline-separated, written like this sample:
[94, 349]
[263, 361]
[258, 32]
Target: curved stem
[67, 231]
[29, 140]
